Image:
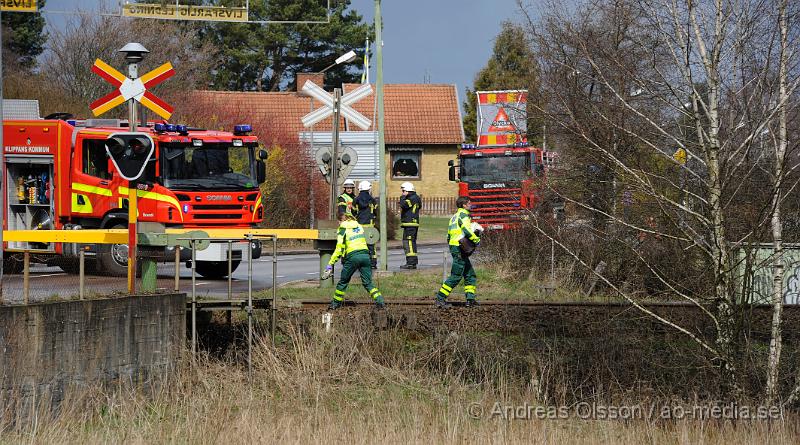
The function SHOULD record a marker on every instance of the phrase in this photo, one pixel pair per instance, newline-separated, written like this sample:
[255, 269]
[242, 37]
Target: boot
[472, 303]
[379, 304]
[441, 303]
[408, 266]
[335, 305]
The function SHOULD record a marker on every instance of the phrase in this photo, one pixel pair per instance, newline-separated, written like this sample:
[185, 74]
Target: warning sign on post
[502, 118]
[184, 12]
[19, 5]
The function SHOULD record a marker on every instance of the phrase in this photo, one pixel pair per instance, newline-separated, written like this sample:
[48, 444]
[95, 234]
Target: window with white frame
[406, 164]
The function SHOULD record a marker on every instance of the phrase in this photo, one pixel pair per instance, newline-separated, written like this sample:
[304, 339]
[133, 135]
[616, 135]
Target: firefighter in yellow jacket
[351, 242]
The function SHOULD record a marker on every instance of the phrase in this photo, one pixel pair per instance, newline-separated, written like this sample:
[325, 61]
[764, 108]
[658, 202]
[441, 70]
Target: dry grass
[352, 386]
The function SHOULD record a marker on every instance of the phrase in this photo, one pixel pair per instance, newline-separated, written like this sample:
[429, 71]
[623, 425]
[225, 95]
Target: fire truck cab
[59, 176]
[502, 183]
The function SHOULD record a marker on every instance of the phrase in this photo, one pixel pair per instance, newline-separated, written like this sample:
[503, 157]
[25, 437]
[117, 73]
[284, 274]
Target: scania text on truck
[59, 176]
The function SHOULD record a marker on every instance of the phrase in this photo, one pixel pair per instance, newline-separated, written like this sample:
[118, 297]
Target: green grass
[492, 285]
[431, 228]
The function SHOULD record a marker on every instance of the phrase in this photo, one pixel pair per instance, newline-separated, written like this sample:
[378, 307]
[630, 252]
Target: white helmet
[407, 187]
[349, 183]
[364, 186]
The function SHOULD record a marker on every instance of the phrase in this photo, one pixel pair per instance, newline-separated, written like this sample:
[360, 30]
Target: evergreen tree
[512, 66]
[267, 57]
[23, 37]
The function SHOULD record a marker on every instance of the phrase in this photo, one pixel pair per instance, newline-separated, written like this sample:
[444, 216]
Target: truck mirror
[451, 172]
[261, 171]
[262, 154]
[130, 153]
[450, 163]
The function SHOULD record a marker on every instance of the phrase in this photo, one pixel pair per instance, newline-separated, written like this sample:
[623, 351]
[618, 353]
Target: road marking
[280, 276]
[48, 275]
[311, 273]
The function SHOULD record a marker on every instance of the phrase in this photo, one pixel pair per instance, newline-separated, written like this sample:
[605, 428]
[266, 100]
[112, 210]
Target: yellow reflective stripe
[255, 208]
[447, 288]
[146, 194]
[81, 208]
[338, 292]
[338, 298]
[444, 291]
[91, 189]
[470, 289]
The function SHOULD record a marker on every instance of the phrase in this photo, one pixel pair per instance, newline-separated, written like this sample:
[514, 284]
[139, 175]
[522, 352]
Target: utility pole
[381, 142]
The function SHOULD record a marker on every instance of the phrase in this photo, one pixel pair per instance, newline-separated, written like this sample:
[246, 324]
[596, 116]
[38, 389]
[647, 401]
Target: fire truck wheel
[73, 267]
[113, 258]
[215, 269]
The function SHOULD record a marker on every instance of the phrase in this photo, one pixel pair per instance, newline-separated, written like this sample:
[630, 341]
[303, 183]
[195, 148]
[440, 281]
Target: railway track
[265, 303]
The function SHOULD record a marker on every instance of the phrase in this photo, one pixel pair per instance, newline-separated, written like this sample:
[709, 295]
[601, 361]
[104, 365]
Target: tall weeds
[355, 385]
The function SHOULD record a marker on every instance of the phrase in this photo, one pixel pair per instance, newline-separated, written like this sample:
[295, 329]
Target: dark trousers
[461, 270]
[410, 245]
[356, 261]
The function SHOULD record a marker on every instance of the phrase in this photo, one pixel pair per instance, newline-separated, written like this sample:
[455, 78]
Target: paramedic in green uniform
[460, 228]
[351, 243]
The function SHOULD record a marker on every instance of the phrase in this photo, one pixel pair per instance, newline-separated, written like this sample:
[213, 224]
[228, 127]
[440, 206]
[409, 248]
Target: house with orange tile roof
[423, 127]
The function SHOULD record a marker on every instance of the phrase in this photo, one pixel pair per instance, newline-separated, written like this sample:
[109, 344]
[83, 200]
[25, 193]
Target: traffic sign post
[130, 151]
[336, 105]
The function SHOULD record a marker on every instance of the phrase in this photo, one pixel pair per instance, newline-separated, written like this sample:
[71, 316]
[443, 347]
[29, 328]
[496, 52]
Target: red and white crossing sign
[345, 109]
[128, 88]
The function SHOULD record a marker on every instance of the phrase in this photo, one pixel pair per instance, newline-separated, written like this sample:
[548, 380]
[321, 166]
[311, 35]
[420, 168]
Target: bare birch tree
[671, 98]
[776, 221]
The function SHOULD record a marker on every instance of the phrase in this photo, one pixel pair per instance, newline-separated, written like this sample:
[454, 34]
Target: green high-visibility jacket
[461, 227]
[349, 238]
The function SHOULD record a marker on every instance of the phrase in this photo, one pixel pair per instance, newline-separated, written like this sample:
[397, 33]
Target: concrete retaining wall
[46, 348]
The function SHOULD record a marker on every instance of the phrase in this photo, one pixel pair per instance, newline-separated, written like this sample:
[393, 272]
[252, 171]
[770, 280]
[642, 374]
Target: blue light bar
[170, 127]
[160, 128]
[242, 129]
[182, 129]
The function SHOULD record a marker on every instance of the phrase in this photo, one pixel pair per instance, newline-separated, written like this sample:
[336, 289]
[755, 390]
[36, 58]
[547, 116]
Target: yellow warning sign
[19, 5]
[184, 12]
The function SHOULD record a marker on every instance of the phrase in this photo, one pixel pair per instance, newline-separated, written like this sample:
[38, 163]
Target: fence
[431, 206]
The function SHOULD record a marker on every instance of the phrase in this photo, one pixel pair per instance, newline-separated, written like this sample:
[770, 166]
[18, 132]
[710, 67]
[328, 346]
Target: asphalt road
[49, 283]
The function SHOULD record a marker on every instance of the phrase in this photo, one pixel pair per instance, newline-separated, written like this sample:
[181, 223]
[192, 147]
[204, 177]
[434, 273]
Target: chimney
[317, 78]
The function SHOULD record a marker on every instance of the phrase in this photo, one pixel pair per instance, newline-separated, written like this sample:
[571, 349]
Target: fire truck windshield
[212, 165]
[495, 168]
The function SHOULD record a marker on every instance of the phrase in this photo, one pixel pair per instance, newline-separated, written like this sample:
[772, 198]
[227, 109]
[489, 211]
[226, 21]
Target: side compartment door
[92, 175]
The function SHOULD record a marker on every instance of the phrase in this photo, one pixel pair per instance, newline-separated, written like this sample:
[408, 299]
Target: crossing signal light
[130, 153]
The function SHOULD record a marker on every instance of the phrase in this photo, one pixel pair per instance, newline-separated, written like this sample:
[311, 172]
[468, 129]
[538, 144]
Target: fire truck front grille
[495, 205]
[206, 216]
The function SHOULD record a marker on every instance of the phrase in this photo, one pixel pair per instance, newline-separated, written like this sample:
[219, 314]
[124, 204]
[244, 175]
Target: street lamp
[344, 58]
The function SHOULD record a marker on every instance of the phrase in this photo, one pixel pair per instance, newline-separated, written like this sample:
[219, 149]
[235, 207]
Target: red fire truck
[59, 176]
[503, 183]
[502, 175]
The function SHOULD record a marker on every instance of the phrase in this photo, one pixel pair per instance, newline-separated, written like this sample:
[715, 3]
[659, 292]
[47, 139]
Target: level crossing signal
[130, 153]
